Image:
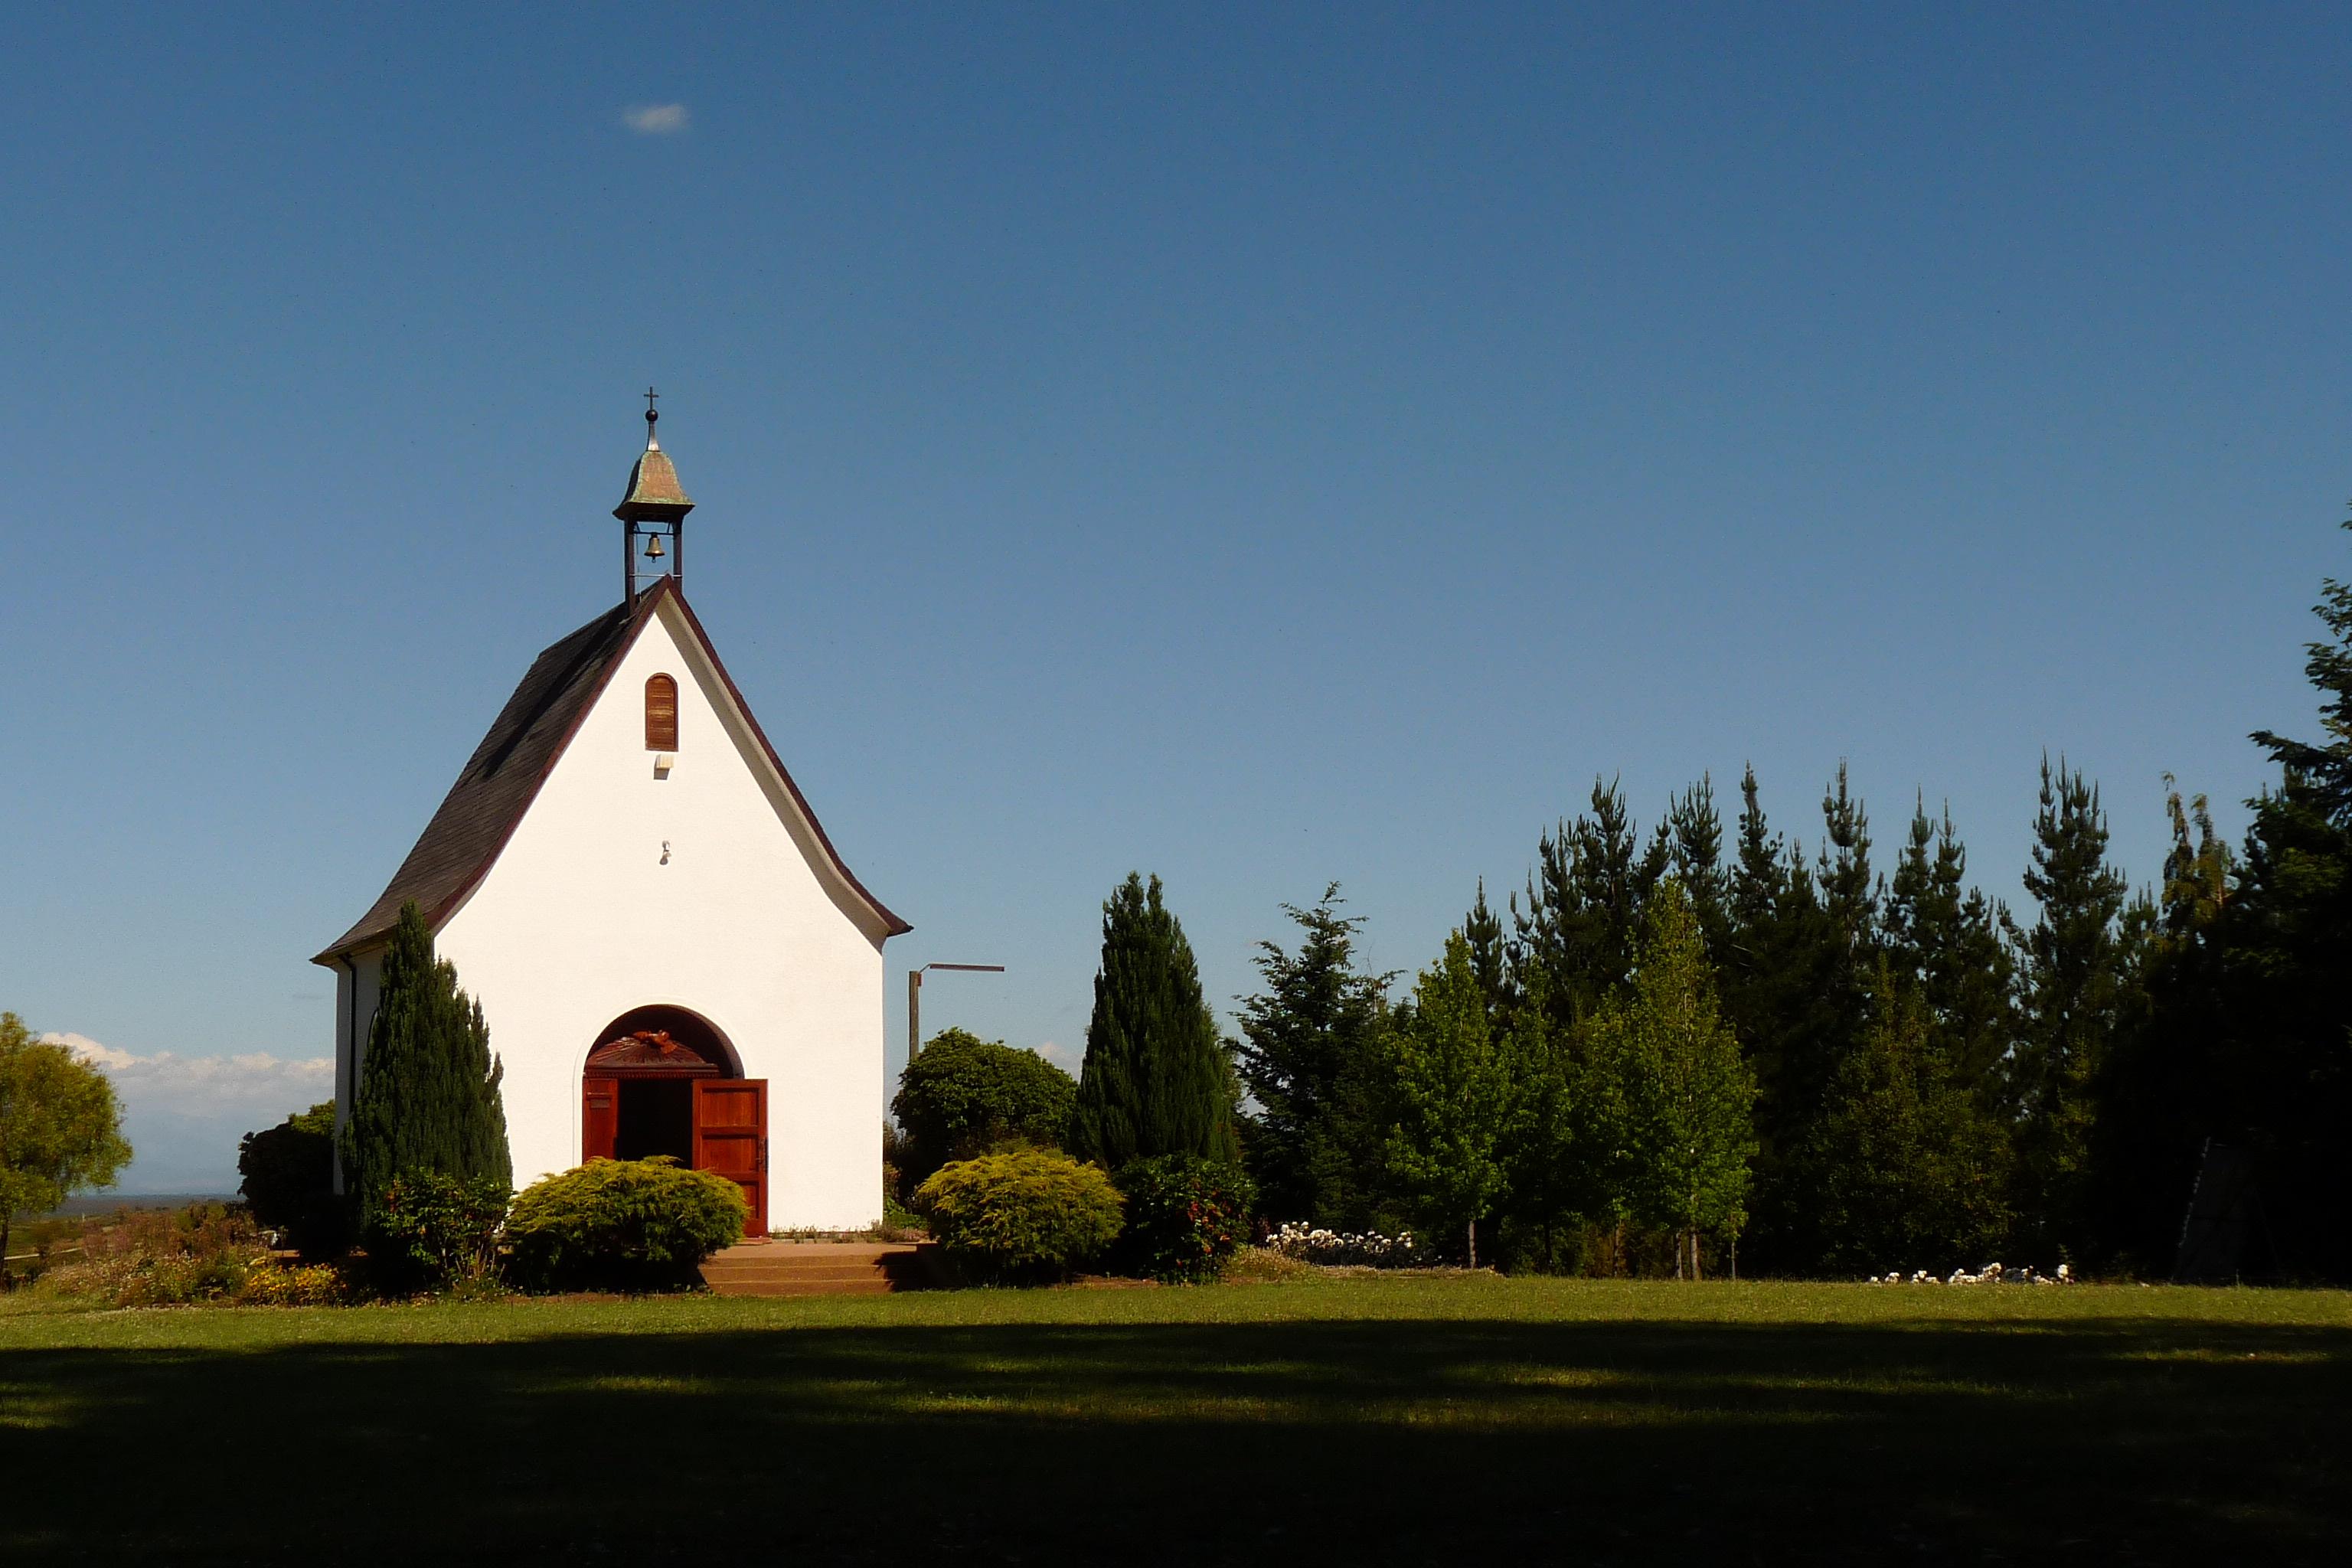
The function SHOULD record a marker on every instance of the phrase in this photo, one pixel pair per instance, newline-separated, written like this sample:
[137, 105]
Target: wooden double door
[715, 1124]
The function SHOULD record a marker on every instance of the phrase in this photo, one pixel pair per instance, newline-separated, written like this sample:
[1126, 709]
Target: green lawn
[1382, 1419]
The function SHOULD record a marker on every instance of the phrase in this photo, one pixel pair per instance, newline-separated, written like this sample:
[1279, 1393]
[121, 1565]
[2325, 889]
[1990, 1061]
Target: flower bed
[1346, 1249]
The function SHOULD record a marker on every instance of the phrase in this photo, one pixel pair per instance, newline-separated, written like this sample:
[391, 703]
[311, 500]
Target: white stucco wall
[581, 920]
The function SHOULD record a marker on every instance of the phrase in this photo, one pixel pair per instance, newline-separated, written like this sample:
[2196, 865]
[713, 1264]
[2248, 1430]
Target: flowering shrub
[164, 1258]
[431, 1232]
[1020, 1216]
[1991, 1274]
[1185, 1216]
[1362, 1250]
[627, 1225]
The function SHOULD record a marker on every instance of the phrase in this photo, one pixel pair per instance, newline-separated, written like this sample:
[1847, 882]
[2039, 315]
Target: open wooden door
[600, 1118]
[730, 1138]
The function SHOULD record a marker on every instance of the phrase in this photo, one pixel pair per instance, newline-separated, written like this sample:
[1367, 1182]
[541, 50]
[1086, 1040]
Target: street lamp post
[915, 999]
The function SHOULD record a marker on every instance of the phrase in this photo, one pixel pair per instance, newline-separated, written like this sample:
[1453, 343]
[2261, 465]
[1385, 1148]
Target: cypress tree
[427, 1097]
[1155, 1079]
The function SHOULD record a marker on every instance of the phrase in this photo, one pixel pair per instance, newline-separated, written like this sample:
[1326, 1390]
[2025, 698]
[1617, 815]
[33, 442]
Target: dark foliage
[288, 1180]
[426, 1231]
[1185, 1217]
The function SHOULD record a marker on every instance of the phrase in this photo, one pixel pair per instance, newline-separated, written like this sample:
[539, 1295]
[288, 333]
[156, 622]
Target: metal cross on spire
[651, 412]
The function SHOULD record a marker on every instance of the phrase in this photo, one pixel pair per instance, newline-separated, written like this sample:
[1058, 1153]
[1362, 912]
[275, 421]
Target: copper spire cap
[655, 495]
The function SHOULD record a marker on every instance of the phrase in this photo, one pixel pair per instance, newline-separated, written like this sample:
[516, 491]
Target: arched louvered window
[661, 714]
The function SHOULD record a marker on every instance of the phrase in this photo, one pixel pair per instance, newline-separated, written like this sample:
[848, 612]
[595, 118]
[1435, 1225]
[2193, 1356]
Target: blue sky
[1259, 445]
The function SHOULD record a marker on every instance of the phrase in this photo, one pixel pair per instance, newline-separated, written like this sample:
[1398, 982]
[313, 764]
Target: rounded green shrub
[1021, 1216]
[964, 1096]
[1185, 1217]
[621, 1224]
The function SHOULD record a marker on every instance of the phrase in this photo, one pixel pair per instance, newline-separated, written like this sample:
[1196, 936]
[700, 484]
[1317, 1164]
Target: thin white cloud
[655, 119]
[1062, 1056]
[184, 1114]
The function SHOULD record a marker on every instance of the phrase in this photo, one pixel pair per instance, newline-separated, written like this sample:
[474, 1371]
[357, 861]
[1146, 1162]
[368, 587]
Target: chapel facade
[671, 956]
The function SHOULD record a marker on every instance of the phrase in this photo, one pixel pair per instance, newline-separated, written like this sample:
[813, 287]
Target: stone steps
[814, 1268]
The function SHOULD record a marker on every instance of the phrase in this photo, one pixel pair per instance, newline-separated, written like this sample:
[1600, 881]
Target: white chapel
[671, 956]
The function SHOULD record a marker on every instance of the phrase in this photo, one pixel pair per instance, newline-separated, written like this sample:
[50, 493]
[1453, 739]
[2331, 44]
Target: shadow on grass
[2102, 1441]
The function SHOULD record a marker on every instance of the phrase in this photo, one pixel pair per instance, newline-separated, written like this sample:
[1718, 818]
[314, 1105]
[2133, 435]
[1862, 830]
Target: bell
[654, 550]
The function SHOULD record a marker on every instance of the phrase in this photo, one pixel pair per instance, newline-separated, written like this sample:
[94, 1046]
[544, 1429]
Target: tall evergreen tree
[1584, 898]
[2177, 1075]
[1687, 1093]
[2261, 986]
[1490, 952]
[2078, 966]
[1306, 1040]
[427, 1097]
[1787, 994]
[1944, 938]
[1694, 854]
[1452, 1088]
[1155, 1079]
[1913, 1167]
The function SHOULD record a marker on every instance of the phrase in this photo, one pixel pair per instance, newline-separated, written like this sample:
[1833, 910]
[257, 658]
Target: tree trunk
[1735, 1258]
[1678, 1255]
[1695, 1273]
[7, 1278]
[1473, 1243]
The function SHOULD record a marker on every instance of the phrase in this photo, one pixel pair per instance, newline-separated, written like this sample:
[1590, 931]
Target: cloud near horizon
[655, 119]
[184, 1115]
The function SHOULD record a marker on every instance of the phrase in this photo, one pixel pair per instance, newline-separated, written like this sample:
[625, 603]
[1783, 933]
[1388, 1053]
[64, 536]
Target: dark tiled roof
[502, 777]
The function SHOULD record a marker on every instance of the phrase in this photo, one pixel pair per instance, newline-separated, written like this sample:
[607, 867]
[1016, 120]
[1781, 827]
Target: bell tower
[653, 512]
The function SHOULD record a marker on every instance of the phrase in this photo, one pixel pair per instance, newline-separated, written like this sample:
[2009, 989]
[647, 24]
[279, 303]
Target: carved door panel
[730, 1138]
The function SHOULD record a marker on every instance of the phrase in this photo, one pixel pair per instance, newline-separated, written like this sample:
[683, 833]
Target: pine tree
[1944, 938]
[1305, 1040]
[1155, 1079]
[427, 1097]
[1787, 995]
[1687, 1093]
[1490, 954]
[1452, 1086]
[2078, 964]
[1913, 1169]
[1694, 833]
[1583, 914]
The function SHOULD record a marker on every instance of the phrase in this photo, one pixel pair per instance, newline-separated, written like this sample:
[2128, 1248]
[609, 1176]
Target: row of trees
[1712, 1029]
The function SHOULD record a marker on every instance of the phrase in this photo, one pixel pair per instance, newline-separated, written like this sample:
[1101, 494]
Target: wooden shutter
[730, 1138]
[661, 714]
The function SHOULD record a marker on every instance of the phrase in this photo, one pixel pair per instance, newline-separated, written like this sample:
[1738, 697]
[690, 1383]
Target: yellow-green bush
[301, 1285]
[621, 1224]
[1020, 1216]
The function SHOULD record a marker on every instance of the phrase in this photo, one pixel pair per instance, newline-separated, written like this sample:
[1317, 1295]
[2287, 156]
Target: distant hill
[106, 1202]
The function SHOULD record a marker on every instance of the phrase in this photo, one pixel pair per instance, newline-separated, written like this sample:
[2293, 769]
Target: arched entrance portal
[664, 1080]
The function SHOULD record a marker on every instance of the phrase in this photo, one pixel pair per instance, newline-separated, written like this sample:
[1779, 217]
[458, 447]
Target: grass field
[1384, 1419]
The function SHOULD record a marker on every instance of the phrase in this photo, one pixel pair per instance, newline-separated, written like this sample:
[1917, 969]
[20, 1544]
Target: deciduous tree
[61, 1126]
